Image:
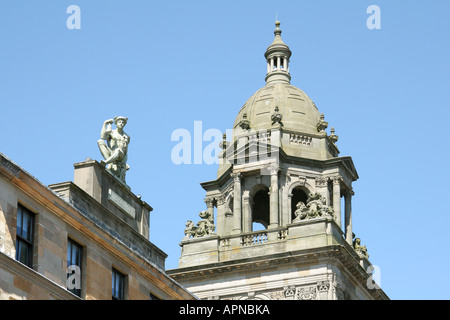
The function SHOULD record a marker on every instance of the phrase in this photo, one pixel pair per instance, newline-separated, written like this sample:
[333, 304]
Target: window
[74, 251]
[118, 283]
[24, 236]
[261, 208]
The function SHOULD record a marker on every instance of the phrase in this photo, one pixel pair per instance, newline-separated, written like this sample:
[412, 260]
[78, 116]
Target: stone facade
[112, 231]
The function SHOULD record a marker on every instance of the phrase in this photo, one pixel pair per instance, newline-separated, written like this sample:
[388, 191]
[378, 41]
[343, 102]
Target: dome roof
[299, 113]
[278, 98]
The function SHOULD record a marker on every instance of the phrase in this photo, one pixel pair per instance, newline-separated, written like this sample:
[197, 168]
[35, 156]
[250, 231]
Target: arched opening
[261, 208]
[297, 195]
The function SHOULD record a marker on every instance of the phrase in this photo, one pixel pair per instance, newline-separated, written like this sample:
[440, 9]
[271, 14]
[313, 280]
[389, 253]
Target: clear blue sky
[166, 64]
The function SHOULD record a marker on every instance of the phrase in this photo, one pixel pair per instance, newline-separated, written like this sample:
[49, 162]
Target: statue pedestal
[94, 179]
[199, 250]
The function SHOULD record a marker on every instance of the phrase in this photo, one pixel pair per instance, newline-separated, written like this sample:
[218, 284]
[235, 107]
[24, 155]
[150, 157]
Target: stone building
[86, 239]
[281, 171]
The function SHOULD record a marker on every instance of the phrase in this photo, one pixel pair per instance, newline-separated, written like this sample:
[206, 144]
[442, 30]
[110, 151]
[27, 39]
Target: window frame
[28, 238]
[71, 244]
[117, 275]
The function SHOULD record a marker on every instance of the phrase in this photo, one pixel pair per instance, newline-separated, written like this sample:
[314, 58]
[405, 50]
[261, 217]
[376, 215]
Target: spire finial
[277, 31]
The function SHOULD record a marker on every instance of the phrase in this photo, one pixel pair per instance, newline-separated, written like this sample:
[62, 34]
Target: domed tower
[272, 228]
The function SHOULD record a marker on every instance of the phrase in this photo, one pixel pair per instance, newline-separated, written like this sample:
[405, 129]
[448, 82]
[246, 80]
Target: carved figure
[315, 207]
[277, 117]
[204, 227]
[362, 250]
[301, 212]
[115, 150]
[190, 230]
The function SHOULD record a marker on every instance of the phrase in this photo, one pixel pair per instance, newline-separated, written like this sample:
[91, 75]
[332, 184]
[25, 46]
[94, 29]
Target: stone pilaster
[348, 216]
[274, 196]
[237, 210]
[337, 198]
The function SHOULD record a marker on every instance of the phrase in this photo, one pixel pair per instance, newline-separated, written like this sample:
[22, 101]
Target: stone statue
[204, 227]
[190, 230]
[115, 150]
[301, 212]
[361, 250]
[315, 207]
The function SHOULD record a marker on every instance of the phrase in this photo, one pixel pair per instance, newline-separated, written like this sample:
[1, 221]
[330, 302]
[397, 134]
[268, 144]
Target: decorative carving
[290, 176]
[321, 181]
[323, 286]
[224, 143]
[334, 138]
[115, 150]
[276, 117]
[244, 123]
[236, 176]
[189, 231]
[361, 250]
[322, 124]
[336, 179]
[300, 139]
[307, 293]
[210, 202]
[276, 295]
[204, 227]
[289, 292]
[315, 207]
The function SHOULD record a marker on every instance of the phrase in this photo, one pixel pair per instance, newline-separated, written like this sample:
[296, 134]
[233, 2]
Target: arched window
[261, 207]
[297, 195]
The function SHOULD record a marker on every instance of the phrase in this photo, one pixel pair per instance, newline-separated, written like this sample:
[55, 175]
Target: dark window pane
[23, 252]
[24, 236]
[117, 285]
[74, 264]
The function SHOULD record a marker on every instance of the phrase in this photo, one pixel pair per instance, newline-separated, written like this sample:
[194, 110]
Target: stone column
[268, 66]
[247, 221]
[237, 212]
[337, 198]
[285, 64]
[348, 216]
[278, 63]
[274, 196]
[220, 224]
[271, 64]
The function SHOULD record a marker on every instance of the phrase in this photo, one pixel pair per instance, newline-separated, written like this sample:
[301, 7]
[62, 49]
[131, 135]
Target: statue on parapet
[115, 150]
[361, 250]
[203, 228]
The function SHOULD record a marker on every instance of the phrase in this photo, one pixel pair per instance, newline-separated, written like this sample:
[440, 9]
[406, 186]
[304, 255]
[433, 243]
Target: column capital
[336, 179]
[236, 176]
[273, 169]
[209, 202]
[221, 200]
[321, 181]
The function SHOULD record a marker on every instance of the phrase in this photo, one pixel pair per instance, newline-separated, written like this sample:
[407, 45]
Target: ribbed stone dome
[299, 113]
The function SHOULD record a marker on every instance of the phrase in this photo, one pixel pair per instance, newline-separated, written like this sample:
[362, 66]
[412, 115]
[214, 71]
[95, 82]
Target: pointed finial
[277, 31]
